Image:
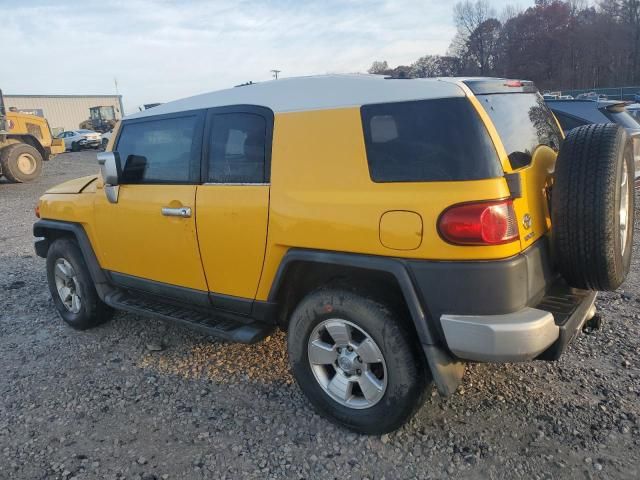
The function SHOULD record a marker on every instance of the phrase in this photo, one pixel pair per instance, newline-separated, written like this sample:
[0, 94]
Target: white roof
[316, 93]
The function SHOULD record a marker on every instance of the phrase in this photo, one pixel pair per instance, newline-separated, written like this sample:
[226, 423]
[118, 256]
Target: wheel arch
[47, 231]
[302, 270]
[30, 140]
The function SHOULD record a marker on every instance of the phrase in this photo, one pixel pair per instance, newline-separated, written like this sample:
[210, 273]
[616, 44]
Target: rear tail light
[481, 223]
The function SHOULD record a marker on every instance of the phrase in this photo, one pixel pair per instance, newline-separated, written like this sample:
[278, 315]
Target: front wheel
[71, 287]
[356, 361]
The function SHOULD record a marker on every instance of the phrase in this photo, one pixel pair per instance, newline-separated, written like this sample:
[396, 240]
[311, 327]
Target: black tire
[10, 159]
[75, 147]
[92, 311]
[406, 370]
[585, 207]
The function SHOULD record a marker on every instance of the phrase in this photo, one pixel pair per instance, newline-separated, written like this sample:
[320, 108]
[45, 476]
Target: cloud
[162, 50]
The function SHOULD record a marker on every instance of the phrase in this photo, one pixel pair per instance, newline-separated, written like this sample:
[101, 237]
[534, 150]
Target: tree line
[557, 44]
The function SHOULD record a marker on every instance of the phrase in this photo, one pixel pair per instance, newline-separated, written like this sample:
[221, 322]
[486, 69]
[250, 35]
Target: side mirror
[110, 167]
[111, 171]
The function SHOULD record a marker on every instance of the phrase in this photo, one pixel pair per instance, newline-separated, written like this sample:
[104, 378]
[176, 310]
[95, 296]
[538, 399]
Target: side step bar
[240, 329]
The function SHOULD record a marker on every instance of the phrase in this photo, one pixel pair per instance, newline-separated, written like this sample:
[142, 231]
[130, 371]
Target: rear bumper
[89, 143]
[513, 337]
[530, 333]
[509, 310]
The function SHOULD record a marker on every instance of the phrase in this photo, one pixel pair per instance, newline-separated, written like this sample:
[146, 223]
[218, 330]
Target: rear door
[531, 138]
[233, 203]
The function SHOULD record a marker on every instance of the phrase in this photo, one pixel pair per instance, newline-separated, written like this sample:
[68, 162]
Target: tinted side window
[237, 148]
[428, 140]
[159, 151]
[566, 122]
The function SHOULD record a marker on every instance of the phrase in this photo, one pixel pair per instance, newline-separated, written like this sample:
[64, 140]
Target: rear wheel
[593, 207]
[21, 162]
[71, 287]
[356, 361]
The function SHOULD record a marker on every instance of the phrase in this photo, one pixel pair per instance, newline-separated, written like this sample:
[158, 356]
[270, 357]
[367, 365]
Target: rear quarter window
[428, 140]
[524, 122]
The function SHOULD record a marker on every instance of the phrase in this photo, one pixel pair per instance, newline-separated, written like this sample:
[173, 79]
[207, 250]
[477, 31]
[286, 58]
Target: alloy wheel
[67, 285]
[347, 363]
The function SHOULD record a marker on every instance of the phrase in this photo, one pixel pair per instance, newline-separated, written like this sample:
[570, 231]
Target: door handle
[184, 212]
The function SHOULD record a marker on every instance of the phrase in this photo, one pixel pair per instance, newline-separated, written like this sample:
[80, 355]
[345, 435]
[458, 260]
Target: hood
[73, 186]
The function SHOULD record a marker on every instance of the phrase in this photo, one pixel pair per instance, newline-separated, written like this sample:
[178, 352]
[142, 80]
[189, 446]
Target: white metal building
[63, 112]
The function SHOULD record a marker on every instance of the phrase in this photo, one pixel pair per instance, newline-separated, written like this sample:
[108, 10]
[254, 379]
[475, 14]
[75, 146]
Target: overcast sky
[163, 50]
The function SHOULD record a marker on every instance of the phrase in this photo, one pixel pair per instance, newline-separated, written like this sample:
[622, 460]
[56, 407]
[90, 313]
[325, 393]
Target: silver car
[75, 140]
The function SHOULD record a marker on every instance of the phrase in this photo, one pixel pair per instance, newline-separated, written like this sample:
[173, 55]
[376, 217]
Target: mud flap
[446, 371]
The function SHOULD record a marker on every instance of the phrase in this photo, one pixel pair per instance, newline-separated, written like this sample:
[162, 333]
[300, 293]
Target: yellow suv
[395, 228]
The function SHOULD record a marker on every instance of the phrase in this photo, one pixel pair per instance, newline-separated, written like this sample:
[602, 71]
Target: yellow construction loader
[25, 142]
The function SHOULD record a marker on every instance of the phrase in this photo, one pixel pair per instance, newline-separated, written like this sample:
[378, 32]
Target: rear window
[428, 140]
[524, 122]
[568, 122]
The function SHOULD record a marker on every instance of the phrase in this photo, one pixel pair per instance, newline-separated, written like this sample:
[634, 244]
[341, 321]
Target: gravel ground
[102, 404]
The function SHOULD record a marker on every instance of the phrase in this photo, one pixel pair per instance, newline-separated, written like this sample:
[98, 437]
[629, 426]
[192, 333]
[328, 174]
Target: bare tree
[427, 66]
[557, 44]
[379, 67]
[509, 12]
[436, 66]
[468, 15]
[478, 28]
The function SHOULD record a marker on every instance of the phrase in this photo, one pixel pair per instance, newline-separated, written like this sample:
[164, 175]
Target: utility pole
[275, 73]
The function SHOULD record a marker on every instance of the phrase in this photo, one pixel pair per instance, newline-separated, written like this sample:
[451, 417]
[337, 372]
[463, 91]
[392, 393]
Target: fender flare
[447, 371]
[47, 230]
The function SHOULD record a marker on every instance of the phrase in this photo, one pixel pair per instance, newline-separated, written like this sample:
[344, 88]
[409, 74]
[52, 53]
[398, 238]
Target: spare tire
[592, 207]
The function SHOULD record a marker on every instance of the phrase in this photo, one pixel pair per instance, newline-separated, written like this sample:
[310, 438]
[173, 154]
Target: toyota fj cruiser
[396, 229]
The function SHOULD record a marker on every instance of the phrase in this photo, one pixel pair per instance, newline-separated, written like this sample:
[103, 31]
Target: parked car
[574, 113]
[105, 138]
[396, 229]
[75, 140]
[593, 96]
[634, 111]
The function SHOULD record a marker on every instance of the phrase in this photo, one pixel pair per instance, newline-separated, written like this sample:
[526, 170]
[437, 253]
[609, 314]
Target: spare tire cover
[592, 207]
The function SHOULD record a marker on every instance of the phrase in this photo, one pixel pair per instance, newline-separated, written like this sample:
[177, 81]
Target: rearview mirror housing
[110, 167]
[111, 171]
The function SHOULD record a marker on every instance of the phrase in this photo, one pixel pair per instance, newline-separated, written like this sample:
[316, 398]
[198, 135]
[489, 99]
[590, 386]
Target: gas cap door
[401, 230]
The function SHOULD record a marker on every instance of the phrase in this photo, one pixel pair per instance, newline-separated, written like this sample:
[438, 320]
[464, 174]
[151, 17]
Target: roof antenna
[275, 73]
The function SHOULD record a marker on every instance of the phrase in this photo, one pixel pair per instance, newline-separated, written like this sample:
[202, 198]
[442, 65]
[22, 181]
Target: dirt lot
[101, 404]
